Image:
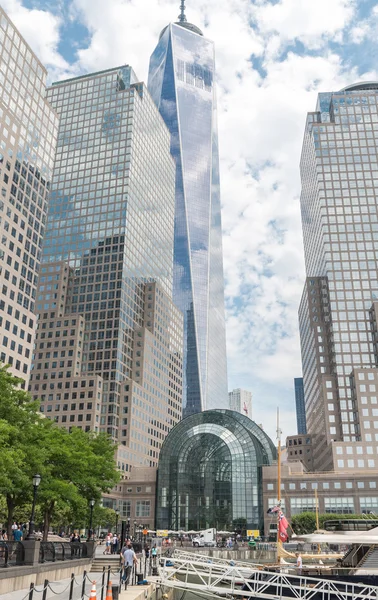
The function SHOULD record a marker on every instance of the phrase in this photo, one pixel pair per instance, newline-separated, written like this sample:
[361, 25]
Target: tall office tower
[181, 81]
[300, 405]
[339, 171]
[109, 347]
[241, 401]
[28, 130]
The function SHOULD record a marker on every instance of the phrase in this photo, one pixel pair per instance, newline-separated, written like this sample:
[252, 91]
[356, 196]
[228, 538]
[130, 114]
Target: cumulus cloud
[40, 28]
[272, 60]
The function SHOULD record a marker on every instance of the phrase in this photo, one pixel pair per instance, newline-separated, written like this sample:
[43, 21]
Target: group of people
[18, 533]
[111, 543]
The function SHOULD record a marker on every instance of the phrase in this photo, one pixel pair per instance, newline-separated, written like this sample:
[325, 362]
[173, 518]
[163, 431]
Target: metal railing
[206, 559]
[11, 554]
[210, 578]
[57, 551]
[76, 588]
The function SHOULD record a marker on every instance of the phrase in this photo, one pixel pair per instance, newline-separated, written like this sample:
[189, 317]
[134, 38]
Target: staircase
[369, 564]
[105, 560]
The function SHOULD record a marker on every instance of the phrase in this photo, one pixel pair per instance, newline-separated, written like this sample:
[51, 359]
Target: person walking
[115, 544]
[299, 564]
[17, 535]
[108, 540]
[129, 559]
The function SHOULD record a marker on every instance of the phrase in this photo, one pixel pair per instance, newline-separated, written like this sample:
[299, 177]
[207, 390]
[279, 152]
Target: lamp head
[36, 480]
[92, 503]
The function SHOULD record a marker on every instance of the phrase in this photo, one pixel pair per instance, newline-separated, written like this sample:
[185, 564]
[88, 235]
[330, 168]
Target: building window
[125, 508]
[368, 505]
[272, 502]
[142, 508]
[299, 505]
[339, 505]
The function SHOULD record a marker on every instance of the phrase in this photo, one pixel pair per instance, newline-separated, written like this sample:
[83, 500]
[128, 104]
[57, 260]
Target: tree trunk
[49, 509]
[10, 507]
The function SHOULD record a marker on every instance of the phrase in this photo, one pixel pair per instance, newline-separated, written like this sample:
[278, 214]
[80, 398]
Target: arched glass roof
[210, 472]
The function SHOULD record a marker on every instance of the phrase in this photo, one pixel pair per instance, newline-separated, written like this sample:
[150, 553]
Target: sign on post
[162, 533]
[253, 533]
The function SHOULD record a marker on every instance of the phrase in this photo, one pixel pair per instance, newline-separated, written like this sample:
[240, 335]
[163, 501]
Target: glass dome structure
[210, 473]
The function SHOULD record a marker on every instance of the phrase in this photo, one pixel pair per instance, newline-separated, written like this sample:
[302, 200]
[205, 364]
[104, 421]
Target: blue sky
[273, 57]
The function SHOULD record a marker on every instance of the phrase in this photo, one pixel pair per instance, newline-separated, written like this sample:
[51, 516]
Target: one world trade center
[181, 82]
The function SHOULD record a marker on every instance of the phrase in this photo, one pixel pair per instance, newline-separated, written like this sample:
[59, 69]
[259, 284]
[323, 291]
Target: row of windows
[336, 485]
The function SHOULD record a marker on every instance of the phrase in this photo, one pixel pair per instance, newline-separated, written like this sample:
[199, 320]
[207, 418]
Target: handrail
[200, 577]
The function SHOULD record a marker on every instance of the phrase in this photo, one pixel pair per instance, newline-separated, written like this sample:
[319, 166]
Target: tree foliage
[306, 521]
[74, 466]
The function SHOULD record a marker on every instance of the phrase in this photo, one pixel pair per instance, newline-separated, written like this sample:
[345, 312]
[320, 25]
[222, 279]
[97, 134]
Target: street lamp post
[117, 515]
[128, 528]
[36, 482]
[135, 529]
[90, 532]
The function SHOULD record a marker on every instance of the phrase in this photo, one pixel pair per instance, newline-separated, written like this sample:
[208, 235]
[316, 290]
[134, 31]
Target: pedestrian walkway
[60, 590]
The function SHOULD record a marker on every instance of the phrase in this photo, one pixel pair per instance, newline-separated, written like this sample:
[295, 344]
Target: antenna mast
[182, 17]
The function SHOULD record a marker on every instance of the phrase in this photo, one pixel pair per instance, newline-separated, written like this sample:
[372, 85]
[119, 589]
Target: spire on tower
[182, 17]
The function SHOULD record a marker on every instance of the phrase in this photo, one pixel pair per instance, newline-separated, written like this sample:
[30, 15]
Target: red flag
[282, 526]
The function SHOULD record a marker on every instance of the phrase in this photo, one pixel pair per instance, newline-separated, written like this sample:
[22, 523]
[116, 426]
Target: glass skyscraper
[181, 81]
[338, 311]
[108, 351]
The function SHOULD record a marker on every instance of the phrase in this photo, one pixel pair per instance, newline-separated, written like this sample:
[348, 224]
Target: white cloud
[261, 121]
[366, 28]
[40, 28]
[312, 23]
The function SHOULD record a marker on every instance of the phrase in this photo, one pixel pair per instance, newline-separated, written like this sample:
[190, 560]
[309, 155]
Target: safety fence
[79, 588]
[53, 551]
[12, 554]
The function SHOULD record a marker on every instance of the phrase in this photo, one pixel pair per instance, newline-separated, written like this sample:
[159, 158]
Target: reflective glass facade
[339, 172]
[210, 472]
[28, 132]
[181, 81]
[109, 346]
[300, 405]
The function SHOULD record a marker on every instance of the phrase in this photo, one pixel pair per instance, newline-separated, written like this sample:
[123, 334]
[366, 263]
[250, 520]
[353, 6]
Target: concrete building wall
[28, 132]
[353, 492]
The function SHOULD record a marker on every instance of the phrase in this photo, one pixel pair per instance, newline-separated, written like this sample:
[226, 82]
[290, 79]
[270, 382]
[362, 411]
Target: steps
[369, 563]
[106, 560]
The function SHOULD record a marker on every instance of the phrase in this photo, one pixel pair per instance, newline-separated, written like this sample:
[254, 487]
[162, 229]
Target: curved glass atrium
[210, 472]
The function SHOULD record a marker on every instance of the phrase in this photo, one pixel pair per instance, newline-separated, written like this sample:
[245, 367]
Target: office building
[241, 401]
[337, 315]
[210, 473]
[300, 405]
[299, 447]
[344, 494]
[28, 131]
[108, 353]
[182, 83]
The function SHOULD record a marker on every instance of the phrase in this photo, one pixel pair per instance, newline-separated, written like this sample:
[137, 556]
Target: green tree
[74, 467]
[21, 455]
[80, 466]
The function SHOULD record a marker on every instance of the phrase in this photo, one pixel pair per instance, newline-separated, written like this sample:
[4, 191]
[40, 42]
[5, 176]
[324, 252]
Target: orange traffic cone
[93, 591]
[109, 595]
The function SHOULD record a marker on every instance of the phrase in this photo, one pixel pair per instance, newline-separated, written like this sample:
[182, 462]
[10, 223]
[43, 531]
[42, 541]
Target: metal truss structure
[215, 577]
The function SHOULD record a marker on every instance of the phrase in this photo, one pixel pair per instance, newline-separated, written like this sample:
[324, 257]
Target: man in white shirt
[129, 559]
